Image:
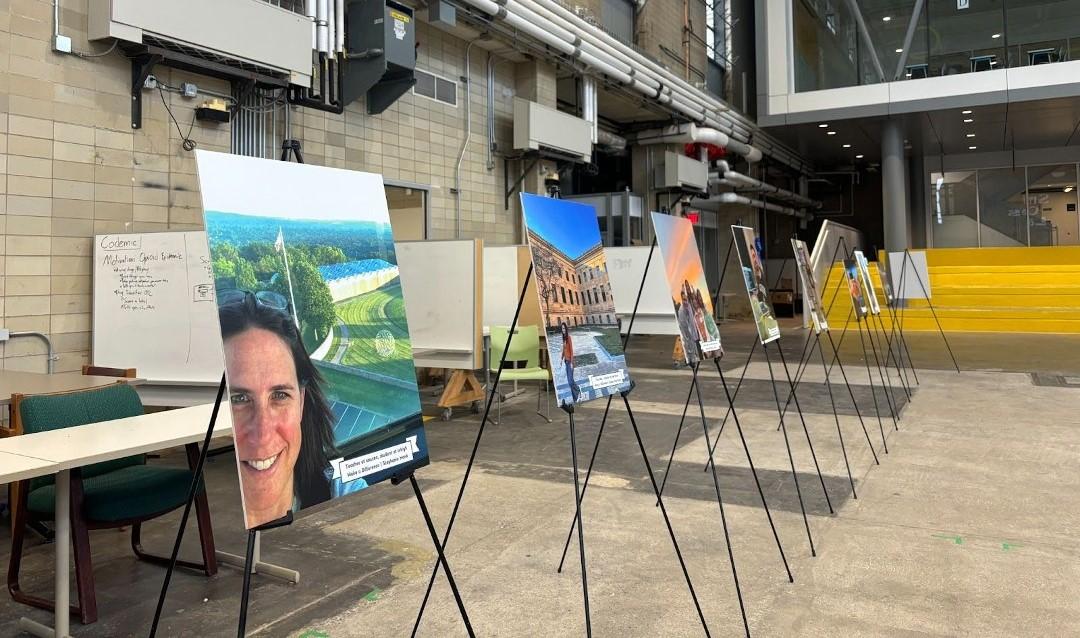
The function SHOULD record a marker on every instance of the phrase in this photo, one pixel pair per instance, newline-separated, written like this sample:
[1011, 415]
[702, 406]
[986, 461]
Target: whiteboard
[656, 312]
[443, 289]
[154, 307]
[828, 245]
[501, 287]
[915, 273]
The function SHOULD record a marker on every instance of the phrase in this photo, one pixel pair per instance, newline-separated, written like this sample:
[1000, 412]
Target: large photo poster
[868, 283]
[689, 290]
[582, 331]
[855, 288]
[317, 355]
[812, 295]
[754, 279]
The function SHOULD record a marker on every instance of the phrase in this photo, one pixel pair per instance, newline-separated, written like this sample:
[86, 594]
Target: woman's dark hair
[310, 483]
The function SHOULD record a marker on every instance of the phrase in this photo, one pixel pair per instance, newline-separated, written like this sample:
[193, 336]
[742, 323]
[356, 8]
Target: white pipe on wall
[727, 199]
[310, 12]
[321, 27]
[331, 27]
[339, 20]
[738, 180]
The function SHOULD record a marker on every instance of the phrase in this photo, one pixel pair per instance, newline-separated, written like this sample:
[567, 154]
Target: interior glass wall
[945, 37]
[1025, 206]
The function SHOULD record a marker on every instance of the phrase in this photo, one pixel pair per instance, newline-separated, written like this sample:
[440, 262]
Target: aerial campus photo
[339, 280]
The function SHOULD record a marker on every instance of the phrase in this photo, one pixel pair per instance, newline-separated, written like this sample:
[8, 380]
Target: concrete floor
[966, 528]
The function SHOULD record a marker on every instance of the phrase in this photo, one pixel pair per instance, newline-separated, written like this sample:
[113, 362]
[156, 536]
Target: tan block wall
[71, 166]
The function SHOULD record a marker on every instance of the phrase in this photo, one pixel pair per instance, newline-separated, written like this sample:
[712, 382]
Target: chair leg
[546, 417]
[21, 520]
[206, 533]
[84, 569]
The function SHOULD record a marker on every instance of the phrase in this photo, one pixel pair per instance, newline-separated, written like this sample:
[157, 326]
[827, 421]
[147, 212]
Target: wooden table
[59, 451]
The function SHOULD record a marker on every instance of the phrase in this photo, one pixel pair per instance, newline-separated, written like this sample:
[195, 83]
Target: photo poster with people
[753, 272]
[810, 290]
[318, 360]
[578, 310]
[855, 288]
[868, 283]
[689, 290]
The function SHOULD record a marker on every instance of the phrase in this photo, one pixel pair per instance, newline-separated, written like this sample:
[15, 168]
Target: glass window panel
[953, 207]
[1002, 207]
[1052, 205]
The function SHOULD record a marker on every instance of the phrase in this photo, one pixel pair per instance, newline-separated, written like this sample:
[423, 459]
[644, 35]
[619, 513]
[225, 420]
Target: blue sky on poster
[569, 226]
[272, 188]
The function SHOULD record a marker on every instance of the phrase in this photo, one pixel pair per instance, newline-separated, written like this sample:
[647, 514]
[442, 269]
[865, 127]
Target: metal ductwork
[716, 202]
[381, 53]
[727, 177]
[602, 56]
[687, 133]
[610, 142]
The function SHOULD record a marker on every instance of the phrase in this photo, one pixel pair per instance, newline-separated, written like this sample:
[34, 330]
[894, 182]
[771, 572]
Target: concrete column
[894, 187]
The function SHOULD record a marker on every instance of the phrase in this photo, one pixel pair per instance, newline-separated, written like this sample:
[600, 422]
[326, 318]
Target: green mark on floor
[959, 540]
[1005, 547]
[314, 633]
[372, 595]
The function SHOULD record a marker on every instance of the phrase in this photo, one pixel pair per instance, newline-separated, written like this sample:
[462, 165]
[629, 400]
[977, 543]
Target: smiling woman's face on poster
[267, 407]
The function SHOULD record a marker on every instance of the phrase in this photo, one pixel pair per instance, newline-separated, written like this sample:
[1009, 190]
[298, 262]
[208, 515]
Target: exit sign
[694, 217]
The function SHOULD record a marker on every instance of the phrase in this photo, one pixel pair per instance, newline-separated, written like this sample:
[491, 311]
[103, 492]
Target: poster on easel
[886, 279]
[868, 283]
[754, 278]
[317, 355]
[689, 290]
[855, 288]
[580, 324]
[810, 290]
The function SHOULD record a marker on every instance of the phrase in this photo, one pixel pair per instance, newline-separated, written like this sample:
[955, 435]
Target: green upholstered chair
[522, 361]
[105, 495]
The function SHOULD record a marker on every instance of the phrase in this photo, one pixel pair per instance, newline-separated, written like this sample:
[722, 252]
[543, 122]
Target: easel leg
[791, 457]
[442, 555]
[871, 330]
[851, 393]
[585, 485]
[732, 399]
[245, 593]
[881, 376]
[663, 511]
[196, 481]
[678, 433]
[873, 391]
[934, 313]
[472, 454]
[806, 430]
[723, 517]
[753, 472]
[890, 358]
[836, 416]
[800, 370]
[580, 529]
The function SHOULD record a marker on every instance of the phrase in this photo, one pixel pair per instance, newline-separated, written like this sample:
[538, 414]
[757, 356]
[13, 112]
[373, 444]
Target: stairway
[1033, 290]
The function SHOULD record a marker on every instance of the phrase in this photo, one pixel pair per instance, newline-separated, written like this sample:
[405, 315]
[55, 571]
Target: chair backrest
[523, 346]
[44, 412]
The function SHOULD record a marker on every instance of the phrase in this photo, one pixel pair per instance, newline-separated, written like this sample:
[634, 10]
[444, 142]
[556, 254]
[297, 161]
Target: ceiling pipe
[738, 180]
[610, 141]
[715, 202]
[687, 133]
[562, 30]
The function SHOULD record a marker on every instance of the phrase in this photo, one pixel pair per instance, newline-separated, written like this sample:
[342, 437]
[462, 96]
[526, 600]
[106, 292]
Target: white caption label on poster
[710, 346]
[606, 380]
[361, 466]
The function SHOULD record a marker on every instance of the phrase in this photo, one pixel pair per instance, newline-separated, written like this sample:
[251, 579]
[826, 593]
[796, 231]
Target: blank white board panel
[655, 313]
[443, 286]
[154, 307]
[910, 275]
[501, 287]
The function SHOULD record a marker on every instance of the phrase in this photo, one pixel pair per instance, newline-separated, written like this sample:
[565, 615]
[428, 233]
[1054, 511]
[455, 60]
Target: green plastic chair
[105, 495]
[522, 361]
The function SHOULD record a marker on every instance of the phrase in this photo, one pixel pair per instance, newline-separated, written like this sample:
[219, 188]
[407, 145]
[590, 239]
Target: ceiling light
[996, 36]
[832, 132]
[968, 120]
[967, 112]
[847, 145]
[970, 135]
[858, 157]
[886, 18]
[823, 126]
[899, 50]
[972, 148]
[1068, 189]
